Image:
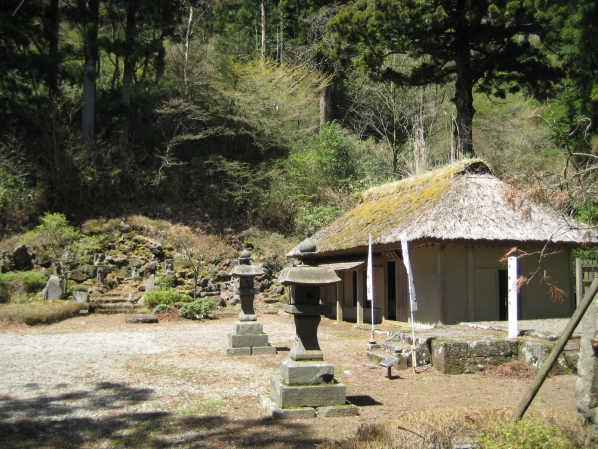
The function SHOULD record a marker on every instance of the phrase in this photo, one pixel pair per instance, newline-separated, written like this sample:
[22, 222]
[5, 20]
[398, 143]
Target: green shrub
[525, 434]
[199, 307]
[31, 281]
[168, 297]
[40, 312]
[160, 308]
[166, 282]
[53, 234]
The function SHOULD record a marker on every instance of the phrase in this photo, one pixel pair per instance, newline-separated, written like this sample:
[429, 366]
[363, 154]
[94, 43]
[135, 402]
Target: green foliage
[160, 308]
[168, 297]
[165, 283]
[526, 434]
[199, 307]
[54, 233]
[489, 56]
[30, 281]
[40, 312]
[587, 213]
[310, 218]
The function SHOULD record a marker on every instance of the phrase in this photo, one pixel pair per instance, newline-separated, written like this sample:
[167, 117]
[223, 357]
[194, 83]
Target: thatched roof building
[460, 220]
[462, 201]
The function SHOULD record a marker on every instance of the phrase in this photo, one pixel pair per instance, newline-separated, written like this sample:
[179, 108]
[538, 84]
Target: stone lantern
[248, 337]
[306, 384]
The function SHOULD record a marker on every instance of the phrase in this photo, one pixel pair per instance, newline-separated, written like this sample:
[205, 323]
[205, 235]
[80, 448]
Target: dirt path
[95, 382]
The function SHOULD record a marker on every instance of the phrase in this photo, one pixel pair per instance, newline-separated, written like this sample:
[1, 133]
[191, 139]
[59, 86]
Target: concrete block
[247, 328]
[308, 372]
[242, 341]
[280, 413]
[238, 351]
[307, 395]
[263, 350]
[449, 357]
[338, 411]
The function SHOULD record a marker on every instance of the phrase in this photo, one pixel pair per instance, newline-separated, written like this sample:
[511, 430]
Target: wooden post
[578, 281]
[360, 279]
[556, 350]
[339, 300]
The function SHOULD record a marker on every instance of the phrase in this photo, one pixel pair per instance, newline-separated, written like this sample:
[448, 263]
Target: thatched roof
[462, 201]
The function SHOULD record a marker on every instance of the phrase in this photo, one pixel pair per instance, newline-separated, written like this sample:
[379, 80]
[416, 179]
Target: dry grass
[40, 312]
[442, 429]
[511, 370]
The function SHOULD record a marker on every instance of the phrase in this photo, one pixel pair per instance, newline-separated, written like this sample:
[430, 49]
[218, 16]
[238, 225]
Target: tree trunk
[325, 104]
[462, 136]
[263, 7]
[89, 78]
[53, 67]
[186, 44]
[129, 63]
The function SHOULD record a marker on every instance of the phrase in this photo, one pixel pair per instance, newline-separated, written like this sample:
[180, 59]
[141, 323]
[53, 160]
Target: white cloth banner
[407, 263]
[370, 276]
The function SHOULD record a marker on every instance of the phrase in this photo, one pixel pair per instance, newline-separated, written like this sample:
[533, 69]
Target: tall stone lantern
[306, 386]
[248, 337]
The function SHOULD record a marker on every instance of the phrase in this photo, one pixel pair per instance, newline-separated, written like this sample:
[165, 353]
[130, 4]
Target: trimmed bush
[168, 297]
[160, 308]
[199, 307]
[32, 281]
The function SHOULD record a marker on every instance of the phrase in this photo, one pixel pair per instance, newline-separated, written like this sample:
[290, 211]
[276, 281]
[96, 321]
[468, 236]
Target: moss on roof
[404, 198]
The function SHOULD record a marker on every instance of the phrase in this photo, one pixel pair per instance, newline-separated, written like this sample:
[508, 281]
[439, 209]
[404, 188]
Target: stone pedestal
[248, 338]
[306, 389]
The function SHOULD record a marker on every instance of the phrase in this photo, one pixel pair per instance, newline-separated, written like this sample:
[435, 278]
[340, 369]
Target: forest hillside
[229, 115]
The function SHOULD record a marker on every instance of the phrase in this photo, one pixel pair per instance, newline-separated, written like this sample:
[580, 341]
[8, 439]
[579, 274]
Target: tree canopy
[488, 45]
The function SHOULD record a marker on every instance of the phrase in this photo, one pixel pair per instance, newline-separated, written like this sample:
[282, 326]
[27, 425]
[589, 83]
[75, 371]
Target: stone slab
[338, 411]
[247, 328]
[280, 413]
[142, 318]
[306, 373]
[238, 351]
[263, 350]
[242, 341]
[53, 289]
[307, 395]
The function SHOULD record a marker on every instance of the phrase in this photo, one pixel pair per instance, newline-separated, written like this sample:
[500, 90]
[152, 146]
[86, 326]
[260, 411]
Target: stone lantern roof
[307, 273]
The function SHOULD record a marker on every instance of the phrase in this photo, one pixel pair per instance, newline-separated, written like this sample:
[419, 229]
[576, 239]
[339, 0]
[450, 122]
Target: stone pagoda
[306, 386]
[248, 336]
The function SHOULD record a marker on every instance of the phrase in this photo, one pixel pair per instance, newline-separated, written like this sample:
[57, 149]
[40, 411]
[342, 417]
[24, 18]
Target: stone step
[108, 300]
[118, 310]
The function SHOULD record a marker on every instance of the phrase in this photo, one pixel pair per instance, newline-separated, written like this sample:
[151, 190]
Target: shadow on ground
[44, 422]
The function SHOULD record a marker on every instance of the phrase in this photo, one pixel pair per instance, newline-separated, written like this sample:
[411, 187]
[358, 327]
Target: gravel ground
[98, 382]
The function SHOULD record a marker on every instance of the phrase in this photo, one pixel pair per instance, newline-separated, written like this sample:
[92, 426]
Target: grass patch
[348, 335]
[203, 407]
[488, 428]
[40, 312]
